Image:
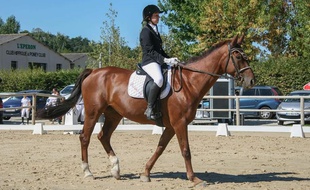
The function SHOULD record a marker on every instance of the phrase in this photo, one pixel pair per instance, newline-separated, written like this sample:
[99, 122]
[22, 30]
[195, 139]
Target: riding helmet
[149, 10]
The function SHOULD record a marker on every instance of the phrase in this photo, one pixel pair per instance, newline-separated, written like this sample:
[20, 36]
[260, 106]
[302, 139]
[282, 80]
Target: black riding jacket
[151, 44]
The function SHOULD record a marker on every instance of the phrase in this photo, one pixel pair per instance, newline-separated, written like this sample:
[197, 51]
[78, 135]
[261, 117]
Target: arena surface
[241, 161]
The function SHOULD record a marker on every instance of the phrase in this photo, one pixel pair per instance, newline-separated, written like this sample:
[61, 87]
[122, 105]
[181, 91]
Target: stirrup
[153, 116]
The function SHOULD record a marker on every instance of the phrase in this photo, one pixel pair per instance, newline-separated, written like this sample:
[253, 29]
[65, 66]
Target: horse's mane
[208, 52]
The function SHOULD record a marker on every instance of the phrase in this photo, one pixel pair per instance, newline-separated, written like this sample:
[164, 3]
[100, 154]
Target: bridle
[238, 71]
[181, 66]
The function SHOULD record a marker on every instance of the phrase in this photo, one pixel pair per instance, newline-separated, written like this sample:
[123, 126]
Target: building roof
[74, 56]
[5, 38]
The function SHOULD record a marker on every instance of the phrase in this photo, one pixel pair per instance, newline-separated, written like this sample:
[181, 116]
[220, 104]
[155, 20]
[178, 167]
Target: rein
[181, 66]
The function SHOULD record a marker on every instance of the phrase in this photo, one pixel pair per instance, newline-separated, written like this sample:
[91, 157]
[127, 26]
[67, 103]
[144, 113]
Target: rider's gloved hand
[171, 61]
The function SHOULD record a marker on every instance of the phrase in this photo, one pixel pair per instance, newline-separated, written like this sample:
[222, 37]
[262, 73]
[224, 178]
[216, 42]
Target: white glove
[171, 61]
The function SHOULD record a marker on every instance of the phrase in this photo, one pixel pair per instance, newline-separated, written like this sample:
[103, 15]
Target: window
[71, 66]
[250, 92]
[33, 65]
[265, 92]
[58, 67]
[13, 65]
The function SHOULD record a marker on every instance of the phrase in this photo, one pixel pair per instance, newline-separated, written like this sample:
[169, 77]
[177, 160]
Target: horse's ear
[240, 40]
[234, 41]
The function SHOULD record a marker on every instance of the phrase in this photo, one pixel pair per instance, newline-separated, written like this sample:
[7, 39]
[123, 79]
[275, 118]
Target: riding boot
[153, 94]
[23, 120]
[27, 121]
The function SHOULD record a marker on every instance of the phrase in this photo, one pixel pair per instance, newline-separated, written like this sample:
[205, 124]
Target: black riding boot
[153, 94]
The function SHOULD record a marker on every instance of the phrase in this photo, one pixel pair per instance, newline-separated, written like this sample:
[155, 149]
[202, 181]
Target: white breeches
[153, 69]
[25, 112]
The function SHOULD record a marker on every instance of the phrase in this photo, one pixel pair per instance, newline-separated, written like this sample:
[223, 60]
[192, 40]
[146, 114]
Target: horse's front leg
[182, 135]
[163, 142]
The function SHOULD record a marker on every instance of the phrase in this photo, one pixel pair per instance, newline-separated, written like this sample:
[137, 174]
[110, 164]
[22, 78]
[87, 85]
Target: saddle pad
[136, 82]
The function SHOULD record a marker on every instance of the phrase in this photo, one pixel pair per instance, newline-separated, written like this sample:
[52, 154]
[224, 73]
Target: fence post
[34, 109]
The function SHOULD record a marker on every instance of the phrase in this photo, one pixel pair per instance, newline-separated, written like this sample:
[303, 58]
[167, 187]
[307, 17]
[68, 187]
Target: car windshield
[297, 99]
[67, 90]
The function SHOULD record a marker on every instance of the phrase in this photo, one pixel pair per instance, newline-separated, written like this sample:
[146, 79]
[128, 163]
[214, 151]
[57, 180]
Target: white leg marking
[115, 171]
[86, 170]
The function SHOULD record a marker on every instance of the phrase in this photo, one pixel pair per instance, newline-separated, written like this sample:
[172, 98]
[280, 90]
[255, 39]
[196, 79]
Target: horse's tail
[64, 106]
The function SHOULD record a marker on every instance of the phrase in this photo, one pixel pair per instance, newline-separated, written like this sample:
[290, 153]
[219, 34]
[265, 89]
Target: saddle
[139, 85]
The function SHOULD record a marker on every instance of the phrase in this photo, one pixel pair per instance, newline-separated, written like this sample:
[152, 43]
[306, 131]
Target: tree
[299, 29]
[113, 49]
[11, 26]
[271, 24]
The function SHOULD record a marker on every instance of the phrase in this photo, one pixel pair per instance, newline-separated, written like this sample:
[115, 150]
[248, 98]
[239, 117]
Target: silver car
[291, 107]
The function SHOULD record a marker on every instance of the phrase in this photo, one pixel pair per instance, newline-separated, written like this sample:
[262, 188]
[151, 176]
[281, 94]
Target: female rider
[153, 55]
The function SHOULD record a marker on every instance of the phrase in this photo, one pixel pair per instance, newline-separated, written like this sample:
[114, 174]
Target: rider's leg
[154, 70]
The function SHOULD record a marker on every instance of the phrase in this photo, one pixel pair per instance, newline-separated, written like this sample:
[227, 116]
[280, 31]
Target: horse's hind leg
[85, 135]
[112, 119]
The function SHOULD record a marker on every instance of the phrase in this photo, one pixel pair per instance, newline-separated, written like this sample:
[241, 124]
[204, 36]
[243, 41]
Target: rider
[153, 55]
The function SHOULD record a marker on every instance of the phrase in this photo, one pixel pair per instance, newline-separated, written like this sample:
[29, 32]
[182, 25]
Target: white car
[66, 91]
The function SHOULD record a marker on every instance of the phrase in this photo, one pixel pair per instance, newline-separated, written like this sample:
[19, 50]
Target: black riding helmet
[149, 10]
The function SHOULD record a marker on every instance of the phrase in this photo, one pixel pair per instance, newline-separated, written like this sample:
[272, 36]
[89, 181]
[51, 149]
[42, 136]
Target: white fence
[220, 129]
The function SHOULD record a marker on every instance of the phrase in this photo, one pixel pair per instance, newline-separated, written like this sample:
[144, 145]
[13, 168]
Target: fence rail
[237, 109]
[34, 102]
[236, 127]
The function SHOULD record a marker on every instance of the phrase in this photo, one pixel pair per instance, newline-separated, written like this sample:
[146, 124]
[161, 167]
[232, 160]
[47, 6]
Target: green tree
[11, 26]
[299, 28]
[277, 26]
[113, 49]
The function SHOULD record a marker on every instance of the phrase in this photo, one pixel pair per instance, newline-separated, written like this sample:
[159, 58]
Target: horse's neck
[202, 82]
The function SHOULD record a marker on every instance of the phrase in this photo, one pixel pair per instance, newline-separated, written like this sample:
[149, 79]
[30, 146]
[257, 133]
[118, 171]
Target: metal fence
[238, 111]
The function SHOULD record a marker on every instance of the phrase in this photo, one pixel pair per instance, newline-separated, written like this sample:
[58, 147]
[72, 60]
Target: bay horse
[104, 91]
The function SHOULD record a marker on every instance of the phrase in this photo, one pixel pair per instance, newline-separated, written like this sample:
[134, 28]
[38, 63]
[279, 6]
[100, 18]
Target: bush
[288, 74]
[36, 79]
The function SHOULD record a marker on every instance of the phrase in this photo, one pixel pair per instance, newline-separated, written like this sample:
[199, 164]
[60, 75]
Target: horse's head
[237, 63]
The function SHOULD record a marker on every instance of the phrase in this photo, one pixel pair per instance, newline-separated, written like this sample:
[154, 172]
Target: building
[21, 51]
[79, 60]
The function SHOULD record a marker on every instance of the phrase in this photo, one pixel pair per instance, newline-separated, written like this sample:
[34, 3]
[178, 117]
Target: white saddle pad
[136, 82]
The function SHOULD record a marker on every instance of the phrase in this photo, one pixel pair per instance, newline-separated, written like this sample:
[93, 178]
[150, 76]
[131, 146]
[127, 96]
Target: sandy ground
[241, 161]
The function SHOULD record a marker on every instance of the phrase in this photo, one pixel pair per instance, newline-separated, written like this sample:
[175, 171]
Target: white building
[21, 51]
[80, 60]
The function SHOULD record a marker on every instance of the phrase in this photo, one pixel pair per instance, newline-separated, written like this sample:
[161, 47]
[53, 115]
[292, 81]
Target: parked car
[204, 104]
[293, 104]
[66, 91]
[15, 101]
[264, 104]
[1, 112]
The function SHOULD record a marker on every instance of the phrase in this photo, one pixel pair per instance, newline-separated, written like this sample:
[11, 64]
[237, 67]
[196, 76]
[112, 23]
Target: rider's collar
[154, 27]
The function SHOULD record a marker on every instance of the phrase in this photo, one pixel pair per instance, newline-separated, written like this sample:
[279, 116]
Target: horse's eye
[238, 56]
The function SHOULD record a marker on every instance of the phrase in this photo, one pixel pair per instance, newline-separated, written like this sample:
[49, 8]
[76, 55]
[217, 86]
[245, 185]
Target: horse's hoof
[89, 176]
[202, 184]
[115, 174]
[144, 178]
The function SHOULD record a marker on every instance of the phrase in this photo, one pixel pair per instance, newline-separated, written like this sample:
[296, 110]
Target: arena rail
[222, 129]
[297, 130]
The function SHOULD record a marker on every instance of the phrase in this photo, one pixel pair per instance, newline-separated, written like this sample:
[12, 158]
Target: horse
[104, 91]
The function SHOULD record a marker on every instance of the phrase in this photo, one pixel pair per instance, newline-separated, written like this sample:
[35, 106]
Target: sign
[307, 86]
